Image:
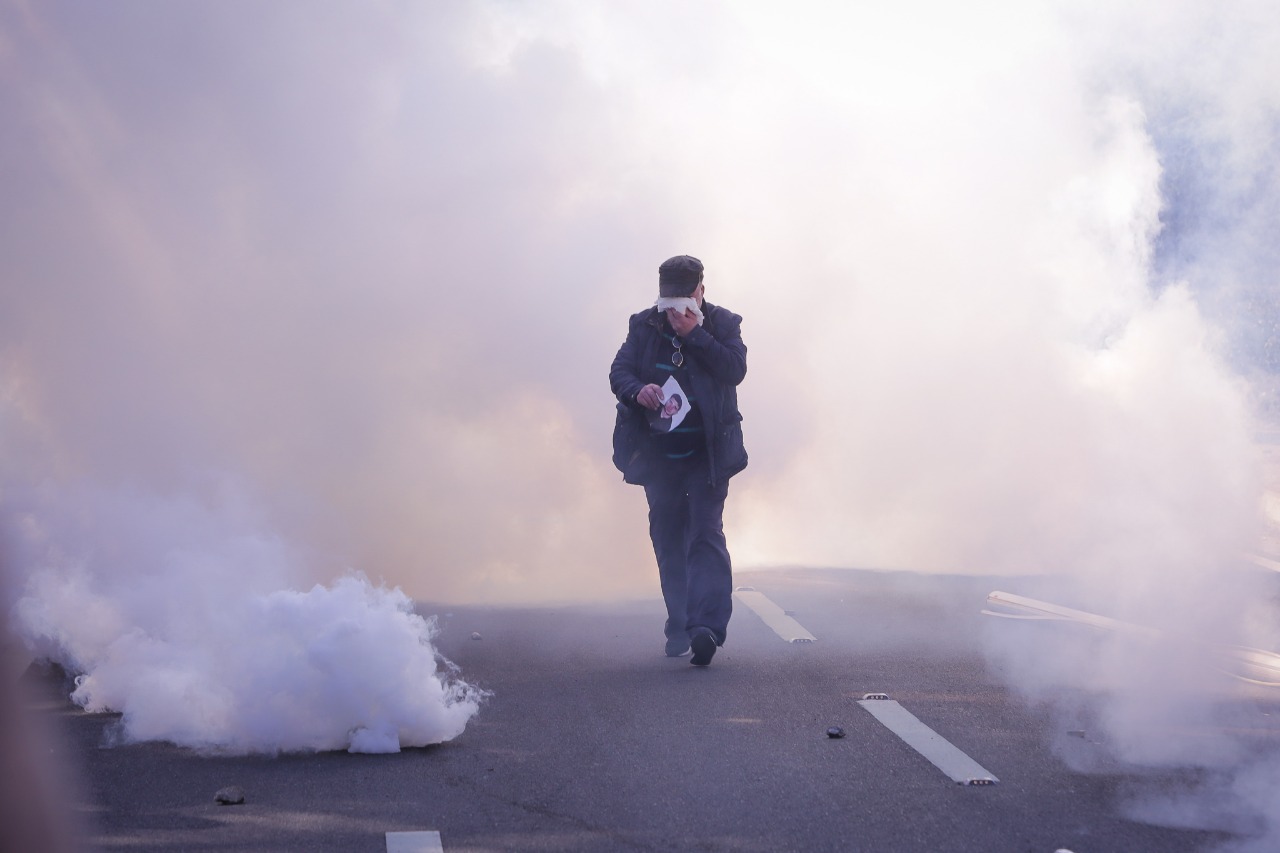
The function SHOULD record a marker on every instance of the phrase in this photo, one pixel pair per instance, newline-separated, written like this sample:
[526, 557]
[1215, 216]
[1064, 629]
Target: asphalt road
[593, 740]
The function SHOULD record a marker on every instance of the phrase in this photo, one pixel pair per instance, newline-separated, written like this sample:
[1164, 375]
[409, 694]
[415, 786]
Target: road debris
[232, 795]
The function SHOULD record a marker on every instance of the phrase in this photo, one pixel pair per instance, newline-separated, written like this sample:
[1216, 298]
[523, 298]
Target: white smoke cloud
[183, 620]
[343, 667]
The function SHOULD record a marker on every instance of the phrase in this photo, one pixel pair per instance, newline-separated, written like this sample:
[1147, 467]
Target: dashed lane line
[1252, 666]
[938, 750]
[1266, 563]
[414, 842]
[773, 615]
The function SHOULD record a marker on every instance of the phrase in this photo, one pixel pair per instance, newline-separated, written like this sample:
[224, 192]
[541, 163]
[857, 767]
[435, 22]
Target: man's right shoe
[703, 642]
[677, 647]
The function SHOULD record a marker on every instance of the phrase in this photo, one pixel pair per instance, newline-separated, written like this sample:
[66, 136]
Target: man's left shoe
[677, 647]
[704, 646]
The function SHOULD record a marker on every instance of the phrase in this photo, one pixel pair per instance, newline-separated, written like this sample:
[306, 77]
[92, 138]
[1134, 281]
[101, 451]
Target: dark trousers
[686, 526]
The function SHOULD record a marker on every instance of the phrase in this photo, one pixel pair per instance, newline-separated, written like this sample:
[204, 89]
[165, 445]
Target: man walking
[685, 471]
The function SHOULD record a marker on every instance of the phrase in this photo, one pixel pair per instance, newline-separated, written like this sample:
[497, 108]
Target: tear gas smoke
[188, 627]
[1001, 267]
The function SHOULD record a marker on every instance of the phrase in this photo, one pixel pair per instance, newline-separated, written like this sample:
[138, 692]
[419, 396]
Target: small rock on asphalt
[835, 731]
[232, 795]
[475, 635]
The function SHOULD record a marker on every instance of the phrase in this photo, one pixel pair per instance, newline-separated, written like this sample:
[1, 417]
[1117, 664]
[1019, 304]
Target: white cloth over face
[680, 303]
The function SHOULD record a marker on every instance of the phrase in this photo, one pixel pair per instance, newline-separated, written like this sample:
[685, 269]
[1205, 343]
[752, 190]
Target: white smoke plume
[1007, 270]
[183, 619]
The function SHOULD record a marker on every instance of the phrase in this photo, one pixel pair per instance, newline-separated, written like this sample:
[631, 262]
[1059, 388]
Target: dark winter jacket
[715, 362]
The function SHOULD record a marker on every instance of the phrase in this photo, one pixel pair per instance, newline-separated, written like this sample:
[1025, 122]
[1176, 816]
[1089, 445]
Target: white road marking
[924, 740]
[1254, 666]
[1033, 608]
[414, 842]
[1266, 563]
[773, 615]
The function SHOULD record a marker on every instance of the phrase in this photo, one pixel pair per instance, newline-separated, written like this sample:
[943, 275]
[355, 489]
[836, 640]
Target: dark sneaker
[677, 647]
[704, 646]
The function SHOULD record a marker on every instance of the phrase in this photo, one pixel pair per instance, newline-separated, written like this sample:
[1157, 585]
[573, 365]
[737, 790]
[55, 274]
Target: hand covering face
[681, 304]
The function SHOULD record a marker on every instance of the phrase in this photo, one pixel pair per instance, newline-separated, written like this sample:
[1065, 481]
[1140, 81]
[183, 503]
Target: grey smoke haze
[339, 283]
[370, 263]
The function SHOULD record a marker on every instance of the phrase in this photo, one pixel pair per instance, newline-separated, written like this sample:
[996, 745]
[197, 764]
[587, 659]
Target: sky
[292, 290]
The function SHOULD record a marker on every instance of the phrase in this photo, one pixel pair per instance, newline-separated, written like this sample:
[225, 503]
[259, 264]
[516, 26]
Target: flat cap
[679, 276]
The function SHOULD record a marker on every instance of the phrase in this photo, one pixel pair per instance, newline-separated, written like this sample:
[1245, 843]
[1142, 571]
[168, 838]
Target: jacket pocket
[731, 453]
[629, 435]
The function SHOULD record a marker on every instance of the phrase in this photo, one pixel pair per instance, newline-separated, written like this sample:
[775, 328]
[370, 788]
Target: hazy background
[295, 288]
[357, 271]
